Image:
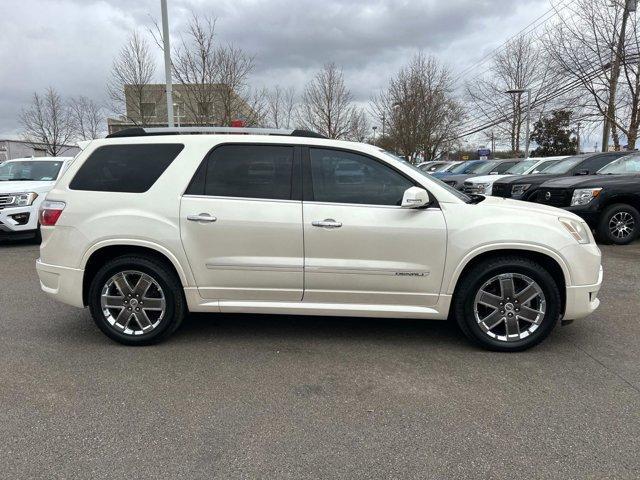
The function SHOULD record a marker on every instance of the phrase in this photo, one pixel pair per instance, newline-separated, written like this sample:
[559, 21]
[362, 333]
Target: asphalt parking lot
[241, 396]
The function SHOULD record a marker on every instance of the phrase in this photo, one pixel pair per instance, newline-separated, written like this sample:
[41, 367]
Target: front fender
[525, 247]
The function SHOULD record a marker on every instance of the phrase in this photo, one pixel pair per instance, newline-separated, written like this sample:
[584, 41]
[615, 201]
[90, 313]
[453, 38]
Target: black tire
[474, 279]
[37, 238]
[603, 230]
[175, 303]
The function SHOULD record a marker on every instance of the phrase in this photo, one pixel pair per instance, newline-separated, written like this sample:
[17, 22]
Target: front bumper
[589, 213]
[61, 283]
[9, 224]
[582, 300]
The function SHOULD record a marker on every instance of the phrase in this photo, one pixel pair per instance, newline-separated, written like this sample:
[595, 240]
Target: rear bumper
[582, 300]
[61, 283]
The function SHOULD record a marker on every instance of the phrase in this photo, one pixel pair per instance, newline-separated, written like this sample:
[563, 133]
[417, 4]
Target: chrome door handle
[327, 223]
[203, 217]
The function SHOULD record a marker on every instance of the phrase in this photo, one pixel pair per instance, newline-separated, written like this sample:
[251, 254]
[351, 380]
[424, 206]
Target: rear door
[241, 224]
[361, 247]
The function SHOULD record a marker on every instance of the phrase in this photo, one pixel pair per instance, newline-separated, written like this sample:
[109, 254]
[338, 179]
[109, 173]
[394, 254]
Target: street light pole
[528, 92]
[167, 62]
[374, 134]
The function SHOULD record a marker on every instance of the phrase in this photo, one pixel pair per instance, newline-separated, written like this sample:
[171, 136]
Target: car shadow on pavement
[203, 327]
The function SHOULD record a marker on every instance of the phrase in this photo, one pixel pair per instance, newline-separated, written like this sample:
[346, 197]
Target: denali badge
[410, 274]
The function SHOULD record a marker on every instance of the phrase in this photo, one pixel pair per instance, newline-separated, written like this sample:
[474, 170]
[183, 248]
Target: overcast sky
[70, 44]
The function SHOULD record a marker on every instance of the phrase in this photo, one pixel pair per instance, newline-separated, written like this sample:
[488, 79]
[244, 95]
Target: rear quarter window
[125, 168]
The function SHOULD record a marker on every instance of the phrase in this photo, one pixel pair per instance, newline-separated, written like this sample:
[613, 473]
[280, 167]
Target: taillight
[50, 212]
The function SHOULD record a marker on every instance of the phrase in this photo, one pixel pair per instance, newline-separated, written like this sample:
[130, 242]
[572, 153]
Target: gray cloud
[70, 44]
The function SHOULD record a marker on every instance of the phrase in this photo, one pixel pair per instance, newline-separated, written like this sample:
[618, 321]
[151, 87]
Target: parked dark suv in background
[608, 201]
[525, 187]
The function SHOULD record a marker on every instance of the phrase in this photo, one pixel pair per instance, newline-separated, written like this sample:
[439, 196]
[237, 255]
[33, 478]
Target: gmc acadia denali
[150, 224]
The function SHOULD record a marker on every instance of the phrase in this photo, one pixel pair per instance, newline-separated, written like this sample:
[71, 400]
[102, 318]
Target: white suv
[24, 182]
[148, 225]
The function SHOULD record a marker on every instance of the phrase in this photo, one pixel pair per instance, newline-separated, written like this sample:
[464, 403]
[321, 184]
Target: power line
[566, 88]
[554, 10]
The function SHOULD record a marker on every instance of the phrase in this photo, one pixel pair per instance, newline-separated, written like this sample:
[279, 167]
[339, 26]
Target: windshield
[563, 166]
[628, 164]
[522, 167]
[40, 171]
[542, 168]
[485, 167]
[448, 188]
[467, 167]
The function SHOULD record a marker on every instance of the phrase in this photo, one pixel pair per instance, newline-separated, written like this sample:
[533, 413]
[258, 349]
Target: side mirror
[415, 197]
[493, 173]
[583, 172]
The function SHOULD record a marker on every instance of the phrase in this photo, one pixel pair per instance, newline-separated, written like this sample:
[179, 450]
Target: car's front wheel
[618, 224]
[507, 304]
[136, 300]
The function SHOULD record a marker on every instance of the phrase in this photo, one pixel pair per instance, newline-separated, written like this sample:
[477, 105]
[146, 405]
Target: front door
[241, 226]
[361, 247]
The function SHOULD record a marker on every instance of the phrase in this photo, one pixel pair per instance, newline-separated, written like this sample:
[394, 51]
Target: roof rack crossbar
[191, 130]
[142, 131]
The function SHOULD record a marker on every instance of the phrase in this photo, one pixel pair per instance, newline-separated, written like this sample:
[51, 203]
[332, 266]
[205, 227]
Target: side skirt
[198, 304]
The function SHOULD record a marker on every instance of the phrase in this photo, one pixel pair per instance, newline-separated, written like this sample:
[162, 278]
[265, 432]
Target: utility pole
[610, 112]
[493, 145]
[167, 61]
[520, 91]
[578, 137]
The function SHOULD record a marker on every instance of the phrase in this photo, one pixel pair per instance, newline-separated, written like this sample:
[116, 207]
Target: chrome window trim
[247, 199]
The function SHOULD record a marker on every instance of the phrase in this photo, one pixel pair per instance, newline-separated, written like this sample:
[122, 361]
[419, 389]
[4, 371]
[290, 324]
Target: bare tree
[131, 73]
[419, 109]
[281, 104]
[359, 129]
[88, 118]
[595, 44]
[326, 105]
[213, 78]
[48, 122]
[235, 66]
[520, 65]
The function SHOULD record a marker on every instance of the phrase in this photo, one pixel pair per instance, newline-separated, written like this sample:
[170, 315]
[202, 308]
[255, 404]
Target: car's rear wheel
[507, 304]
[619, 224]
[136, 300]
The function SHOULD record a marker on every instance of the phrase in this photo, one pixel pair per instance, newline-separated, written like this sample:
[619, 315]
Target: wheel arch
[547, 258]
[101, 253]
[624, 199]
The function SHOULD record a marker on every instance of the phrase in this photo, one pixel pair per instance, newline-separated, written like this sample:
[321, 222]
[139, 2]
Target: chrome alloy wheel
[509, 307]
[621, 225]
[133, 302]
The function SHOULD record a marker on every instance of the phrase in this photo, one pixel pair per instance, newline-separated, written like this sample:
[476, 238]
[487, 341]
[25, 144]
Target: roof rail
[141, 132]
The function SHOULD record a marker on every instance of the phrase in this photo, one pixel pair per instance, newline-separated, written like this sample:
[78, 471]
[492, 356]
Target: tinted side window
[252, 171]
[344, 177]
[596, 163]
[503, 167]
[125, 168]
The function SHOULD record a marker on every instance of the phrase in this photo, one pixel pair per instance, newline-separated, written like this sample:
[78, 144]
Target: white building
[10, 149]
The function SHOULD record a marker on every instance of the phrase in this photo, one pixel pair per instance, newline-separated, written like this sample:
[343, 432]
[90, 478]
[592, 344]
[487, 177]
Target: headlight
[20, 199]
[520, 188]
[481, 188]
[582, 196]
[578, 230]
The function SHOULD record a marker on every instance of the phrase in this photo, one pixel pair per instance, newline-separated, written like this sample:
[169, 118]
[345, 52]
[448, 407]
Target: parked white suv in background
[147, 226]
[483, 185]
[24, 182]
